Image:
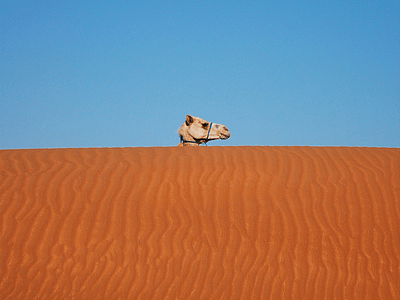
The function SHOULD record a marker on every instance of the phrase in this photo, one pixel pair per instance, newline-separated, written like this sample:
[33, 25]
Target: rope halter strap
[208, 133]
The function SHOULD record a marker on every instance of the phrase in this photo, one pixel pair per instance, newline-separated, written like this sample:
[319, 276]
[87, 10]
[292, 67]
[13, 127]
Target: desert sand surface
[200, 223]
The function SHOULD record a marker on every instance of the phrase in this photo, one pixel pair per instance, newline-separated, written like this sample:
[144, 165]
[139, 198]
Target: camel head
[195, 131]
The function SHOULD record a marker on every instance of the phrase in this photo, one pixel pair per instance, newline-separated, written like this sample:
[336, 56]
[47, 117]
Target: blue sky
[125, 73]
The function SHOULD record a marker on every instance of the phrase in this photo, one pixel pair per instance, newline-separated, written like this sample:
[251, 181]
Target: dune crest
[200, 223]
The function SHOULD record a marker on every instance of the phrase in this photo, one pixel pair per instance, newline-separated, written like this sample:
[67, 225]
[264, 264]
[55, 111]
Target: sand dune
[200, 223]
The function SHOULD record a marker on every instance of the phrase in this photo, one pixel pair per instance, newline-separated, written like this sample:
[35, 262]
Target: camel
[195, 131]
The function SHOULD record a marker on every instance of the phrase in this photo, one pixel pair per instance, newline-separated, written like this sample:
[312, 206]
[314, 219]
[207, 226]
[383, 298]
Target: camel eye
[205, 125]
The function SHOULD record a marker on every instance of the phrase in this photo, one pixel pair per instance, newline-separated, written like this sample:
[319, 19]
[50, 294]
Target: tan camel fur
[194, 131]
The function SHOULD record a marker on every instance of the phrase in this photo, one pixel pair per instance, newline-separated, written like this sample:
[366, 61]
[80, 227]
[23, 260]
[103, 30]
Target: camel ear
[189, 120]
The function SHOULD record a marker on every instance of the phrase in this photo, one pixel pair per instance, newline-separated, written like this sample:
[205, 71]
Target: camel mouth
[224, 136]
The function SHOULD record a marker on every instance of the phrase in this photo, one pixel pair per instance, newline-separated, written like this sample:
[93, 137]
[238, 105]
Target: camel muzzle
[224, 136]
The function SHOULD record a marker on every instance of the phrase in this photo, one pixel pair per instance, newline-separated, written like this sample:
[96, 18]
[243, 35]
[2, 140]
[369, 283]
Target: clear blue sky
[125, 73]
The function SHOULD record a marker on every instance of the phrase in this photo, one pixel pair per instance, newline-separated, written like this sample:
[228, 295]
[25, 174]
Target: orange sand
[200, 223]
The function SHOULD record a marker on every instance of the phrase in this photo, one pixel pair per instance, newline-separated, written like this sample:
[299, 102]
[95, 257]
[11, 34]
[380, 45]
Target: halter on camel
[199, 142]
